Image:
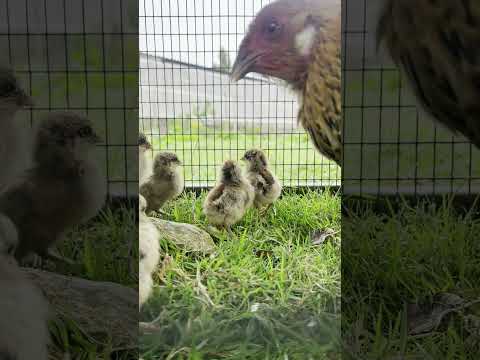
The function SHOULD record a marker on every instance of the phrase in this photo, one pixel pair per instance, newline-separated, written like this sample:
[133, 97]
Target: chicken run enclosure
[188, 104]
[82, 57]
[178, 92]
[391, 146]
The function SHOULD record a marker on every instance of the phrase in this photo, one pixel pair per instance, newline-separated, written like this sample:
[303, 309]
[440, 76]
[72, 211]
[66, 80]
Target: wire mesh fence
[189, 105]
[80, 56]
[391, 146]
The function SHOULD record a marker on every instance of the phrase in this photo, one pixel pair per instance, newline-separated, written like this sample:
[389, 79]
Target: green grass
[266, 293]
[407, 257]
[203, 150]
[107, 247]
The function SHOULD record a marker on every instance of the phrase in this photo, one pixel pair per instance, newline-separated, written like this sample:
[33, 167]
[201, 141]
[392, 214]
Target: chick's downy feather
[24, 311]
[267, 187]
[64, 188]
[145, 165]
[15, 141]
[165, 183]
[148, 252]
[228, 201]
[436, 45]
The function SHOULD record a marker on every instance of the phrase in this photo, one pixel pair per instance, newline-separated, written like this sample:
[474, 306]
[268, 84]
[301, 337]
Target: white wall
[172, 90]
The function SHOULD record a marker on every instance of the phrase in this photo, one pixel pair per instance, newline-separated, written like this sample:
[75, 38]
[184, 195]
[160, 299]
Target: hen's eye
[273, 27]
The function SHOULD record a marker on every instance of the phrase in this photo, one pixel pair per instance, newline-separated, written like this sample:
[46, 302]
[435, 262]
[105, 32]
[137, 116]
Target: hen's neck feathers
[322, 49]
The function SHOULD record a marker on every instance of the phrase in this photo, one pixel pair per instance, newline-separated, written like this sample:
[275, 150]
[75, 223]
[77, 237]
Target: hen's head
[280, 40]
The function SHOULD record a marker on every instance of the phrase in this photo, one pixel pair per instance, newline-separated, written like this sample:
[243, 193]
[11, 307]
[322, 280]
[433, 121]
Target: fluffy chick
[149, 254]
[267, 188]
[436, 45]
[299, 42]
[228, 201]
[24, 310]
[165, 183]
[15, 149]
[63, 188]
[144, 159]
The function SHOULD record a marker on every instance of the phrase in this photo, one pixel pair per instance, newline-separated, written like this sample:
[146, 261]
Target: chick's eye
[8, 88]
[85, 132]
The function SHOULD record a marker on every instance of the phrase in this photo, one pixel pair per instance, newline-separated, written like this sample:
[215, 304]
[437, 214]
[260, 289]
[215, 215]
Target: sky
[193, 31]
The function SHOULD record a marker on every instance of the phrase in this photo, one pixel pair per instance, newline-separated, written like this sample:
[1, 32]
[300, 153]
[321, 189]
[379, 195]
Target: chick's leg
[32, 260]
[55, 256]
[264, 210]
[161, 211]
[62, 263]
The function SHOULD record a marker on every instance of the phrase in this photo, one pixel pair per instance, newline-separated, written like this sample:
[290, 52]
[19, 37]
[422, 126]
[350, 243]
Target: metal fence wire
[390, 145]
[189, 106]
[80, 56]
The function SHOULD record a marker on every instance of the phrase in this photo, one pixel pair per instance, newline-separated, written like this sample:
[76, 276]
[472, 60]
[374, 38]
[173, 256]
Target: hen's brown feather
[320, 112]
[436, 44]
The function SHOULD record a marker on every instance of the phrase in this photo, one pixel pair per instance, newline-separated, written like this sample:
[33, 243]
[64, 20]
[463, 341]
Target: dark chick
[228, 201]
[144, 158]
[436, 43]
[267, 188]
[63, 188]
[165, 183]
[299, 42]
[15, 150]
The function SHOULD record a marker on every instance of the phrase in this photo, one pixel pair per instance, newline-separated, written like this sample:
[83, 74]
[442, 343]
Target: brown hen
[299, 42]
[436, 44]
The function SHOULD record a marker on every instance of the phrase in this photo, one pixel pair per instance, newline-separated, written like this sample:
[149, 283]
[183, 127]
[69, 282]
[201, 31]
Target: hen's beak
[244, 63]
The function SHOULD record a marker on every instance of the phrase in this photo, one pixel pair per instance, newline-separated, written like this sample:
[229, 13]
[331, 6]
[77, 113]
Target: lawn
[266, 293]
[395, 263]
[203, 149]
[107, 247]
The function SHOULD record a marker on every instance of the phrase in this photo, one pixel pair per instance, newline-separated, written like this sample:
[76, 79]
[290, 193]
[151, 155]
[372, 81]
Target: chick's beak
[95, 139]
